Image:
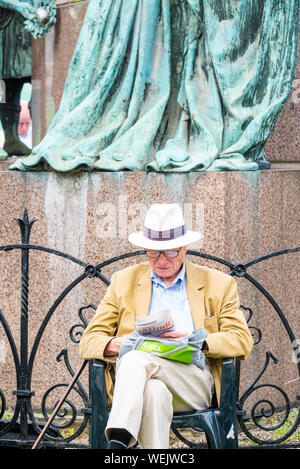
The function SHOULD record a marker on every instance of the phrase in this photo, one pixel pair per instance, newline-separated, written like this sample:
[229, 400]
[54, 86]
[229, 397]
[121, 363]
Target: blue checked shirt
[174, 298]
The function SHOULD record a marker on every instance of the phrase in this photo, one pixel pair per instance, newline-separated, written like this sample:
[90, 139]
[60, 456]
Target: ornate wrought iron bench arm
[219, 424]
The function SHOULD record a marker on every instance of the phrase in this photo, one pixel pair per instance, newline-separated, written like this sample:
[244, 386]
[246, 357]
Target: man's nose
[162, 259]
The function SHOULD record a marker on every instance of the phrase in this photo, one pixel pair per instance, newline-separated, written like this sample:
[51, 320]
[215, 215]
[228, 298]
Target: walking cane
[60, 403]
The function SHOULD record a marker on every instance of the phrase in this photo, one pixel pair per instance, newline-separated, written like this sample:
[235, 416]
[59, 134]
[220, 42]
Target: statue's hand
[38, 19]
[44, 17]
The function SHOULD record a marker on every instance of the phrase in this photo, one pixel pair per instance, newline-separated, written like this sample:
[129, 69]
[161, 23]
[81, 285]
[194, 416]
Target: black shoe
[115, 444]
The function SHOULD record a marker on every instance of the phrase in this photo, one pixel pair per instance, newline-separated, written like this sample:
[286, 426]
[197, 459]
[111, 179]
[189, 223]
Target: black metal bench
[219, 424]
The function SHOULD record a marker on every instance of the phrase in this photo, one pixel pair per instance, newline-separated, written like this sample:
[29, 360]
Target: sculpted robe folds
[173, 85]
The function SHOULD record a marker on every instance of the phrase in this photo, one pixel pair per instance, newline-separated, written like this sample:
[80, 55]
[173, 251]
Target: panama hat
[164, 228]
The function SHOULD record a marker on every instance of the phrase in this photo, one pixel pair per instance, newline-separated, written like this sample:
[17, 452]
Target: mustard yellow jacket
[214, 304]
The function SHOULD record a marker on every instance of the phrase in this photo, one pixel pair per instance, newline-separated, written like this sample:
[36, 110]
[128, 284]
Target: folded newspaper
[155, 324]
[187, 349]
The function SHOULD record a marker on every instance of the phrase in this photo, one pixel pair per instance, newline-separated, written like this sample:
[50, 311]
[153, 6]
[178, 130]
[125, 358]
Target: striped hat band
[166, 235]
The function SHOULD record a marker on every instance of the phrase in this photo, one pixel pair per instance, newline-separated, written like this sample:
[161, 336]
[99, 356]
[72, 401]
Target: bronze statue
[173, 86]
[18, 22]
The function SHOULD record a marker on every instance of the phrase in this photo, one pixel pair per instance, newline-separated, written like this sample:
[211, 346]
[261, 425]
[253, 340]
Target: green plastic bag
[172, 352]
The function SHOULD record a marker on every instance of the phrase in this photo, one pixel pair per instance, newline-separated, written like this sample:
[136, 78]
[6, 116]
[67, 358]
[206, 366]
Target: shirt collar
[180, 277]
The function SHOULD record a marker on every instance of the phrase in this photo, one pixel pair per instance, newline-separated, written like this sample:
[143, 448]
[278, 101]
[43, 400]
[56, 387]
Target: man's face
[24, 121]
[168, 268]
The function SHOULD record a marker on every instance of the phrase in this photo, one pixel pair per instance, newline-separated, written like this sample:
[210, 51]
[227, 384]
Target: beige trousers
[147, 391]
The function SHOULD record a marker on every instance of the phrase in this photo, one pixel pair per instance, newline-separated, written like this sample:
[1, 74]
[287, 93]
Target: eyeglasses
[156, 254]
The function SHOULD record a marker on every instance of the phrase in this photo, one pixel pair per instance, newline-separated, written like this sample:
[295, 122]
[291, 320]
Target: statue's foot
[263, 164]
[16, 148]
[3, 154]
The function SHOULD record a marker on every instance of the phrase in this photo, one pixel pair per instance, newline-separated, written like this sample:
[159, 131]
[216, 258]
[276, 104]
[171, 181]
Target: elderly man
[148, 388]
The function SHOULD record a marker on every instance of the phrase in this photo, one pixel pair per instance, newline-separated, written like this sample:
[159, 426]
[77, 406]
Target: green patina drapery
[173, 85]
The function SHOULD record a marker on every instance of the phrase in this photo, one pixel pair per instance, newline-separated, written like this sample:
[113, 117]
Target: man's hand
[177, 334]
[113, 347]
[173, 335]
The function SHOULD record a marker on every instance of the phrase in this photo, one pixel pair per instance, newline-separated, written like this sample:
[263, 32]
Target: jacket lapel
[195, 292]
[143, 293]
